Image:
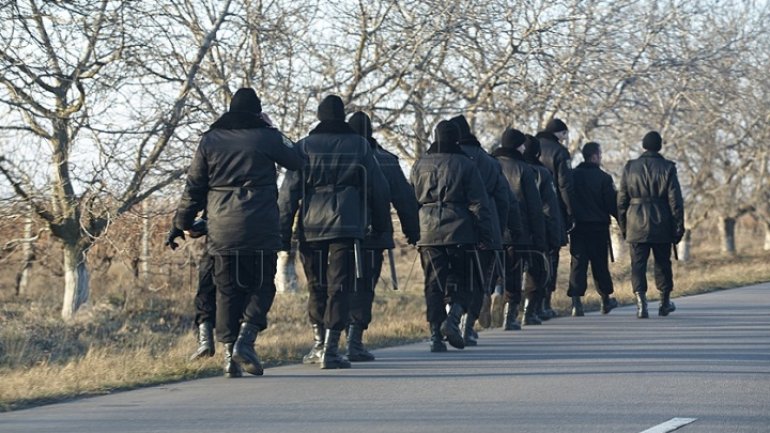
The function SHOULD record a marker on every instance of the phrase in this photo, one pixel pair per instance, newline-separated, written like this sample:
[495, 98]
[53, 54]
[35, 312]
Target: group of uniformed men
[479, 220]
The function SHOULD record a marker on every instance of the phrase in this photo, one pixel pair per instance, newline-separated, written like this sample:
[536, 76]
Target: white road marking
[670, 425]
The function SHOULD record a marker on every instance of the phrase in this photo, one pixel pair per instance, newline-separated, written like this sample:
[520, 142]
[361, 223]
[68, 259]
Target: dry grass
[130, 337]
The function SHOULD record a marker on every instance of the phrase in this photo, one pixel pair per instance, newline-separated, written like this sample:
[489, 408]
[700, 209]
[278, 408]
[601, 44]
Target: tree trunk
[685, 246]
[727, 230]
[28, 253]
[767, 236]
[144, 270]
[76, 280]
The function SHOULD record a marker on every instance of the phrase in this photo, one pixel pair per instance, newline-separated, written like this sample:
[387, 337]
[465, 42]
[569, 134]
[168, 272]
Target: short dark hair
[590, 149]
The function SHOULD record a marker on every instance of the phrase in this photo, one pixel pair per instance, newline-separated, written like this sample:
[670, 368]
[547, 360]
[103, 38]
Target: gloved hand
[172, 235]
[677, 238]
[199, 228]
[570, 224]
[412, 238]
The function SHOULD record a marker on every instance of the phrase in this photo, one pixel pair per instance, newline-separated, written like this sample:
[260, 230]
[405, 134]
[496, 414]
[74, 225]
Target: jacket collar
[239, 120]
[332, 127]
[587, 164]
[508, 153]
[651, 154]
[470, 141]
[446, 148]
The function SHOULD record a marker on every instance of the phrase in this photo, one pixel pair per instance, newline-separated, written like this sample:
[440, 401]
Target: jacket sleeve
[534, 209]
[289, 196]
[610, 196]
[551, 212]
[377, 194]
[478, 204]
[514, 216]
[196, 190]
[501, 194]
[403, 199]
[676, 202]
[565, 183]
[623, 202]
[286, 154]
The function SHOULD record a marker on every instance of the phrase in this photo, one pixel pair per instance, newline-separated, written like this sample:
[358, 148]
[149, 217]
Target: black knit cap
[331, 108]
[531, 147]
[246, 100]
[447, 133]
[462, 125]
[512, 138]
[361, 123]
[555, 125]
[652, 141]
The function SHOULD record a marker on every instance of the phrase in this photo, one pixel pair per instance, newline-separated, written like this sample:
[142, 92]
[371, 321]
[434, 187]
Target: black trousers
[538, 276]
[363, 295]
[245, 291]
[513, 276]
[330, 271]
[589, 246]
[550, 282]
[481, 286]
[446, 271]
[206, 296]
[664, 277]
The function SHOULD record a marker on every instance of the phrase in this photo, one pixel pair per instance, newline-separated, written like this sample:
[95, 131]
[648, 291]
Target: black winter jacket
[556, 159]
[402, 198]
[650, 205]
[233, 177]
[521, 179]
[554, 233]
[341, 188]
[496, 187]
[595, 196]
[454, 208]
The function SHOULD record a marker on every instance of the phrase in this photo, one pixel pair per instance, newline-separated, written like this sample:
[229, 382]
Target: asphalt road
[710, 360]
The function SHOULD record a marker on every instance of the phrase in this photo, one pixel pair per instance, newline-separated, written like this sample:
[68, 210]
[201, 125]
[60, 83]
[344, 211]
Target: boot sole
[360, 358]
[248, 366]
[334, 366]
[454, 339]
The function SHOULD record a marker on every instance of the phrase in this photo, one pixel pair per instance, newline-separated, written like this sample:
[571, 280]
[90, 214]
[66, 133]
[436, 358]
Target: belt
[643, 200]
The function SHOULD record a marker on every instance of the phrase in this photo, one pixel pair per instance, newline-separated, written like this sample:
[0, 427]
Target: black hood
[362, 125]
[466, 136]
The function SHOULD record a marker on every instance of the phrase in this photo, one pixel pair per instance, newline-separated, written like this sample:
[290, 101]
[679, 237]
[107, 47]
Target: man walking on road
[651, 217]
[595, 202]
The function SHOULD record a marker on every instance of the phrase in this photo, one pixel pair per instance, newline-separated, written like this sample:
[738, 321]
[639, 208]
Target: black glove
[678, 238]
[172, 235]
[570, 224]
[412, 238]
[199, 228]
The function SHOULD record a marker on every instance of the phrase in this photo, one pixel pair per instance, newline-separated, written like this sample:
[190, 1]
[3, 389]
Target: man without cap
[233, 178]
[556, 158]
[455, 220]
[595, 202]
[523, 248]
[340, 190]
[375, 243]
[651, 217]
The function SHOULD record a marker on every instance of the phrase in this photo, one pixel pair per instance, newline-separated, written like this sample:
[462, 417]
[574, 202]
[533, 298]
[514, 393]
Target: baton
[480, 269]
[676, 253]
[609, 248]
[357, 253]
[393, 276]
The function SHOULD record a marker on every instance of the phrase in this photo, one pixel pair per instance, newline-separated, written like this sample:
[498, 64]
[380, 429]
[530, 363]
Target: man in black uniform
[233, 177]
[402, 198]
[522, 248]
[651, 217]
[595, 202]
[339, 188]
[556, 158]
[538, 274]
[499, 196]
[455, 220]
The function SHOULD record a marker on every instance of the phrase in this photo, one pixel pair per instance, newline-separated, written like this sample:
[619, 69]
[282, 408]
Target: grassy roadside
[122, 343]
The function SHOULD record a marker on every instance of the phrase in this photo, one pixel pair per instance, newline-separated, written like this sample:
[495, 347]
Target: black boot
[451, 327]
[466, 325]
[314, 356]
[530, 318]
[577, 307]
[331, 359]
[510, 311]
[666, 306]
[641, 306]
[549, 312]
[205, 341]
[356, 350]
[608, 304]
[436, 339]
[540, 310]
[243, 351]
[232, 369]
